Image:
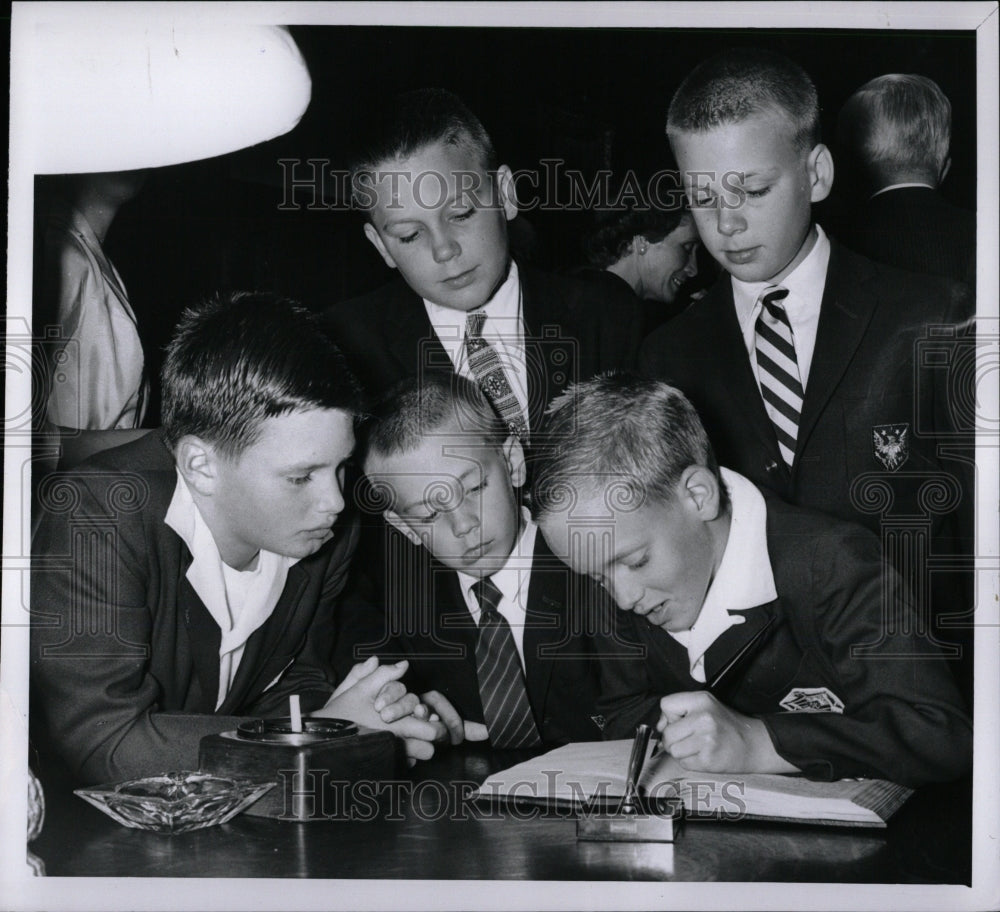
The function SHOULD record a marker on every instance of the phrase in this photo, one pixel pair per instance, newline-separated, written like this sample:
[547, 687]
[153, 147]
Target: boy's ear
[377, 243]
[513, 454]
[507, 192]
[698, 490]
[396, 521]
[197, 461]
[820, 169]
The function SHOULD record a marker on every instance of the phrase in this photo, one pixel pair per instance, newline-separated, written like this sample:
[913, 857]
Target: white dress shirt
[503, 329]
[744, 579]
[238, 600]
[512, 580]
[805, 286]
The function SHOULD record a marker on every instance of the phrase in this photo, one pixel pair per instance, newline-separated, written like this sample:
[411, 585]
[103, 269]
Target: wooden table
[431, 832]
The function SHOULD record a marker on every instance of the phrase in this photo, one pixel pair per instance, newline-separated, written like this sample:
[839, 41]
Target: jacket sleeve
[629, 696]
[903, 718]
[95, 705]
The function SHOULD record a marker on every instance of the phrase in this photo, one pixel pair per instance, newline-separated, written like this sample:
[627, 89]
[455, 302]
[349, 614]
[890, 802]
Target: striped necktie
[488, 371]
[501, 683]
[778, 370]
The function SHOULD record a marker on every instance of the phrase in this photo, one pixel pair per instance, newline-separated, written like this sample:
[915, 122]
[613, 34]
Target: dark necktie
[778, 370]
[488, 371]
[501, 683]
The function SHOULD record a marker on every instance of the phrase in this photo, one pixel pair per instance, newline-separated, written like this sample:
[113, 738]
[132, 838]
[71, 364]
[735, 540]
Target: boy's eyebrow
[303, 467]
[423, 502]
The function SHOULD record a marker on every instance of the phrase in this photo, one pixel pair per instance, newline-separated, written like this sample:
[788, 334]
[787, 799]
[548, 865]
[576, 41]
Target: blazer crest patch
[891, 444]
[812, 699]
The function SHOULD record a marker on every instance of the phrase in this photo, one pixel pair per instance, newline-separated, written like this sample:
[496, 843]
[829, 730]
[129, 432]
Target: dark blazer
[572, 331]
[918, 229]
[424, 618]
[902, 718]
[894, 350]
[124, 655]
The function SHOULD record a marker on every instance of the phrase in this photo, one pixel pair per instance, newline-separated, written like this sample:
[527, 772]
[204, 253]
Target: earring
[642, 246]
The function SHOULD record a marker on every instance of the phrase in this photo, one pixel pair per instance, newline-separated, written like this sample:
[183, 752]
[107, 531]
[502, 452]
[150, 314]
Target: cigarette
[296, 712]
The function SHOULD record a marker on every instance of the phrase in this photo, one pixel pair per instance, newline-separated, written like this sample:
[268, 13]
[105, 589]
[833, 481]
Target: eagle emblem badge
[891, 443]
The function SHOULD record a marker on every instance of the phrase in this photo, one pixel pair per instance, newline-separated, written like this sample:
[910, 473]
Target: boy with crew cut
[493, 626]
[833, 381]
[713, 574]
[436, 202]
[190, 579]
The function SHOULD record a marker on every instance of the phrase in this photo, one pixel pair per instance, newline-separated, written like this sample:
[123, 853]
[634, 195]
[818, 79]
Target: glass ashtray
[174, 802]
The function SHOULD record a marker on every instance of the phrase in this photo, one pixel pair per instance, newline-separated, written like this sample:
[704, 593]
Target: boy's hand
[365, 697]
[458, 729]
[702, 734]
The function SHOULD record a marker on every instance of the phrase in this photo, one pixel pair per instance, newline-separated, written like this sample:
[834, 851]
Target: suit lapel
[204, 635]
[454, 625]
[733, 373]
[554, 355]
[845, 313]
[726, 649]
[262, 642]
[545, 623]
[410, 336]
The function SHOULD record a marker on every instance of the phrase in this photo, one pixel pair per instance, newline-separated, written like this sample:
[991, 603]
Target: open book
[578, 774]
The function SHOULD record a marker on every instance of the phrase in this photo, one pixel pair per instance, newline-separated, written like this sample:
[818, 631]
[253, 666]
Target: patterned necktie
[778, 370]
[501, 683]
[488, 371]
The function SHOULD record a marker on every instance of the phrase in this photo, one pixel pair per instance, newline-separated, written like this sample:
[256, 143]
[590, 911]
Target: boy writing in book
[805, 360]
[491, 623]
[724, 584]
[188, 580]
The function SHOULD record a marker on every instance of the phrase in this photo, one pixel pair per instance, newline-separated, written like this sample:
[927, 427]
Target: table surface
[430, 830]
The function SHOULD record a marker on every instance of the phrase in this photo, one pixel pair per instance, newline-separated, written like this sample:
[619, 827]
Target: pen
[635, 762]
[724, 673]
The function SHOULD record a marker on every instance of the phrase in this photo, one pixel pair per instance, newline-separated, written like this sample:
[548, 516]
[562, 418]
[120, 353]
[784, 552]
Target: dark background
[595, 98]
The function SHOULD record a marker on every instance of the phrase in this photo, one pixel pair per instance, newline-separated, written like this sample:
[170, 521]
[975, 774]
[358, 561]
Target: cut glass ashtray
[175, 802]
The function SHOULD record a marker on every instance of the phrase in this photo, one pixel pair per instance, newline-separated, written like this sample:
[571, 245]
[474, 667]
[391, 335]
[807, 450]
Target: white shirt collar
[744, 579]
[207, 575]
[503, 315]
[805, 286]
[512, 578]
[900, 187]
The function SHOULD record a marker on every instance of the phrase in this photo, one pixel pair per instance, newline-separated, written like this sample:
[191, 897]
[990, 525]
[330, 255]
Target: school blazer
[423, 618]
[886, 423]
[826, 641]
[573, 330]
[124, 654]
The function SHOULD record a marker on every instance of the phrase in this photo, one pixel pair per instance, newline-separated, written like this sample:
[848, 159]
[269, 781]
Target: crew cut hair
[241, 358]
[740, 83]
[635, 434]
[897, 124]
[415, 408]
[409, 122]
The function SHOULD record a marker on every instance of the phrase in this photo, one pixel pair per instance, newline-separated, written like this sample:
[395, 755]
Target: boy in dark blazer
[189, 580]
[838, 383]
[447, 474]
[437, 203]
[764, 644]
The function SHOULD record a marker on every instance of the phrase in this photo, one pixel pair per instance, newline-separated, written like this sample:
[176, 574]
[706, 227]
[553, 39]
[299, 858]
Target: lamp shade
[107, 97]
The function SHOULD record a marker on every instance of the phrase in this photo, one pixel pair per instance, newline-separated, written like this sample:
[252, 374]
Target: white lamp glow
[115, 97]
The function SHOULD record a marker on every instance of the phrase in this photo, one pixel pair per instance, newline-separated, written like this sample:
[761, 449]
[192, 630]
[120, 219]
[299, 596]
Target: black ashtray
[279, 731]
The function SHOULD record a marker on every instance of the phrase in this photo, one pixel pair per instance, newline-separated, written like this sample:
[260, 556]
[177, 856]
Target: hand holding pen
[704, 734]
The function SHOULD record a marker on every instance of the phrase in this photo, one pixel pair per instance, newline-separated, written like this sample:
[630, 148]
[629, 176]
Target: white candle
[296, 712]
